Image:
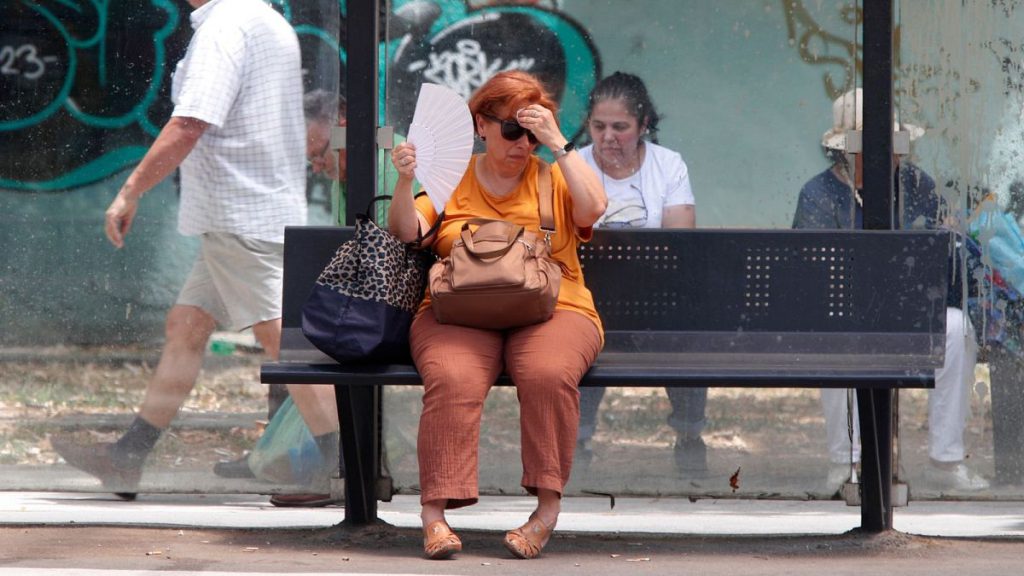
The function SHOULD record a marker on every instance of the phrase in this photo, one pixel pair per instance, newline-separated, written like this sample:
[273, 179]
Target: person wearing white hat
[831, 200]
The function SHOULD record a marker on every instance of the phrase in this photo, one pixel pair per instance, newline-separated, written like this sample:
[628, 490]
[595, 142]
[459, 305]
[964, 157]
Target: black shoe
[97, 459]
[234, 468]
[691, 456]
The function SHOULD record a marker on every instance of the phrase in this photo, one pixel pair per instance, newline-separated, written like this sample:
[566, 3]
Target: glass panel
[964, 86]
[744, 93]
[84, 91]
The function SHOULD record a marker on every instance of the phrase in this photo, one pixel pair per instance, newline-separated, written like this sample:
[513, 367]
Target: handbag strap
[546, 202]
[420, 238]
[545, 205]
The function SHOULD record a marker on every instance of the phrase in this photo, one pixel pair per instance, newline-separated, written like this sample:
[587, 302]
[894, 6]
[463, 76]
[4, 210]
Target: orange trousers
[459, 365]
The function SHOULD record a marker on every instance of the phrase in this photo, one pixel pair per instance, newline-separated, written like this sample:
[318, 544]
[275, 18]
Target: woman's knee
[548, 382]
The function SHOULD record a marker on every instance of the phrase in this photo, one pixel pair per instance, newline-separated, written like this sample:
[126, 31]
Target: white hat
[843, 113]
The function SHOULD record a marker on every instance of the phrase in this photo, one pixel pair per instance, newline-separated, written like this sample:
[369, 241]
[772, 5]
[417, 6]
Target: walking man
[238, 134]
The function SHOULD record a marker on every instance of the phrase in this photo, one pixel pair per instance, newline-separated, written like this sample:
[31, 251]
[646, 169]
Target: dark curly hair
[631, 90]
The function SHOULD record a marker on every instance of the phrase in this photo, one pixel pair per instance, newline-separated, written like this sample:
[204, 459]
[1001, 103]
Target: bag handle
[420, 238]
[369, 206]
[513, 233]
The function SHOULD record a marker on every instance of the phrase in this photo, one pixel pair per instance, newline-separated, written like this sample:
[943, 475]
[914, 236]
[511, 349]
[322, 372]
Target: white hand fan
[442, 131]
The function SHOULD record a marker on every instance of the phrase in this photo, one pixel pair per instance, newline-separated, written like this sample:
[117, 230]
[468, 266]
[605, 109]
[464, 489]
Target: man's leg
[188, 329]
[276, 395]
[119, 465]
[316, 404]
[840, 411]
[842, 435]
[687, 419]
[314, 401]
[949, 407]
[949, 402]
[590, 401]
[318, 407]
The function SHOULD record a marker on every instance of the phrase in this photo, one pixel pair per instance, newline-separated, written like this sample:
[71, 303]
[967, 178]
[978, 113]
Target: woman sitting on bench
[512, 113]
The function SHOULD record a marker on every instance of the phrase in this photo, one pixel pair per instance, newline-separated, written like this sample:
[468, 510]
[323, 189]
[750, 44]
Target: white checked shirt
[242, 75]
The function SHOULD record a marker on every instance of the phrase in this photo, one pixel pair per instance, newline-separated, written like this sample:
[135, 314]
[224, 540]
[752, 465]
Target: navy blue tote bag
[363, 303]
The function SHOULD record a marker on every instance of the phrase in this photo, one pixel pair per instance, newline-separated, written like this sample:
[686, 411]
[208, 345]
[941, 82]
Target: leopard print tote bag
[362, 305]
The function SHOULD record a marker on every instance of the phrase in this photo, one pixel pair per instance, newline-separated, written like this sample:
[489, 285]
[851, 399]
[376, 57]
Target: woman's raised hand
[541, 122]
[403, 157]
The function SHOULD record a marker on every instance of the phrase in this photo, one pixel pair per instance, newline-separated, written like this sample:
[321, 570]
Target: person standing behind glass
[648, 186]
[832, 201]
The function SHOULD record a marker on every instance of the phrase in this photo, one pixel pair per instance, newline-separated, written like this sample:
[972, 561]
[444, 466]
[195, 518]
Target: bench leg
[357, 414]
[876, 460]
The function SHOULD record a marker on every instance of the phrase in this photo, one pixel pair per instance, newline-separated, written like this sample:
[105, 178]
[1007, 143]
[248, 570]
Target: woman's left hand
[541, 122]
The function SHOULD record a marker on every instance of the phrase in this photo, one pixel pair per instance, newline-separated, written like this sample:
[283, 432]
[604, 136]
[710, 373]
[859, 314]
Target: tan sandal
[439, 542]
[528, 540]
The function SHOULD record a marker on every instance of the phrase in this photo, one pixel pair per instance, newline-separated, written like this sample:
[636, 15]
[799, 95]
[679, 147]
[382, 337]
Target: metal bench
[694, 308]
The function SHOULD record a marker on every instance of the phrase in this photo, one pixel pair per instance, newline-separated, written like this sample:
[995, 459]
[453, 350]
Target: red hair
[512, 90]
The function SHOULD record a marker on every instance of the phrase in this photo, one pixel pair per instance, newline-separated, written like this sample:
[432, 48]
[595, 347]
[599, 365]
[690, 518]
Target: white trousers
[949, 403]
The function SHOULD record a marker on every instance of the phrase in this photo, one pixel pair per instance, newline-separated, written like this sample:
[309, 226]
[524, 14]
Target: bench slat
[626, 375]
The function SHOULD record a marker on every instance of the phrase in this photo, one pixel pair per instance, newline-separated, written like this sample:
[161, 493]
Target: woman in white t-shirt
[648, 186]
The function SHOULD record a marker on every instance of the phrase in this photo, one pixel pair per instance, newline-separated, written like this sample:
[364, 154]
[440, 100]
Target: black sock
[329, 451]
[131, 450]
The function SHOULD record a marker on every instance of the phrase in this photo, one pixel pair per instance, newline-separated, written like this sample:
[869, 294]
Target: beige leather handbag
[499, 275]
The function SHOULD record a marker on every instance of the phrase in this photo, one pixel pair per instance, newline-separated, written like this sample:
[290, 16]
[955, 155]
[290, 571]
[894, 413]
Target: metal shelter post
[880, 207]
[363, 403]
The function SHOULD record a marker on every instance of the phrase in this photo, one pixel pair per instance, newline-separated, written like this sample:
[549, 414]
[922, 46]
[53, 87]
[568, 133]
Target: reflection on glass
[745, 89]
[70, 142]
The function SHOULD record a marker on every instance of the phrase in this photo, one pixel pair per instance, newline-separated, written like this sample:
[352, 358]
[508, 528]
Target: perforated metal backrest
[826, 294]
[791, 280]
[770, 292]
[307, 250]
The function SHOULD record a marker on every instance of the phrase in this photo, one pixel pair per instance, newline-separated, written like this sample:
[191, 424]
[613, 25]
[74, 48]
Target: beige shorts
[236, 280]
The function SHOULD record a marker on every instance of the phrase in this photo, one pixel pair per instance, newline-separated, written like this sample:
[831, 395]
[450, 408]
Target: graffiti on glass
[24, 60]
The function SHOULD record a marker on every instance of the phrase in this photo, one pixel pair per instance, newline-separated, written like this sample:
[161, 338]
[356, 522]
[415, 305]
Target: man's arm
[172, 146]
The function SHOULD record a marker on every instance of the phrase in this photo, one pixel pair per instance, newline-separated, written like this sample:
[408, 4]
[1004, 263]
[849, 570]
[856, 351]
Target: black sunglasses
[511, 130]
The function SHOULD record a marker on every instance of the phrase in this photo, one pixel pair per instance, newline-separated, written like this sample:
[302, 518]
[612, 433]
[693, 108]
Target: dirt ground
[774, 436]
[386, 550]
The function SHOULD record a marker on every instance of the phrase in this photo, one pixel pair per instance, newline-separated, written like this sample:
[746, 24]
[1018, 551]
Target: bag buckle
[547, 235]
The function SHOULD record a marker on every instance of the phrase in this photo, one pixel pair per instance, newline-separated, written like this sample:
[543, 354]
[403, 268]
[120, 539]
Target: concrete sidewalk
[668, 516]
[78, 534]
